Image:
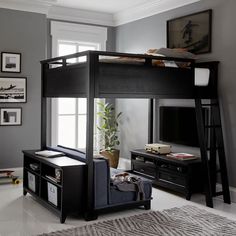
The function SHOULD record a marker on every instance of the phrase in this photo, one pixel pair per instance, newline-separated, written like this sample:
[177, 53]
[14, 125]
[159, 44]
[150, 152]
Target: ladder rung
[215, 148]
[209, 104]
[219, 193]
[212, 126]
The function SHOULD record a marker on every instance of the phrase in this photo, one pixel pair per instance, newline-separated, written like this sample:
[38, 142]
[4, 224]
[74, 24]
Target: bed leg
[147, 205]
[90, 215]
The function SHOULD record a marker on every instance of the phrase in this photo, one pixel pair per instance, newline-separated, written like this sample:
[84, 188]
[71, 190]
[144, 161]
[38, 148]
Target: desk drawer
[171, 178]
[145, 168]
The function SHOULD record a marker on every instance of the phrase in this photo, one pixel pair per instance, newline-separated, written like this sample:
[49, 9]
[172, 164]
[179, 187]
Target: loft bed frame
[99, 78]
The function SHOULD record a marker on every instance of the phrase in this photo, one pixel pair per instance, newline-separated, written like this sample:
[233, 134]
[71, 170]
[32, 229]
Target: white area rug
[186, 220]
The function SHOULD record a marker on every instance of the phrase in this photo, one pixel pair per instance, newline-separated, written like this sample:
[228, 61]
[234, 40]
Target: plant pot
[112, 156]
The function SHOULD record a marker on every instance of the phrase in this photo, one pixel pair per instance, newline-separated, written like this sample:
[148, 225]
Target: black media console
[56, 182]
[184, 177]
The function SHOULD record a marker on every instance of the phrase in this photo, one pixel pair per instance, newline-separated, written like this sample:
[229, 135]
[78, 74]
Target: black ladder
[212, 147]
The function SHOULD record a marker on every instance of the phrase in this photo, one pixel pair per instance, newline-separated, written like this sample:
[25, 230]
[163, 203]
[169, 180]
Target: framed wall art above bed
[192, 32]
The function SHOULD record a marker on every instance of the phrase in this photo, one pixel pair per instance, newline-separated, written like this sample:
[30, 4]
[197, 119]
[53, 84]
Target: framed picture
[10, 116]
[192, 32]
[12, 89]
[11, 62]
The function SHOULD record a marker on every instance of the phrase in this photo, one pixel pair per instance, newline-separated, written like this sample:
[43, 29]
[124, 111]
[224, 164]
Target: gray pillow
[168, 52]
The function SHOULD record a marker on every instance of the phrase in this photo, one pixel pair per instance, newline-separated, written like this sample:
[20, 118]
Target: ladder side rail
[212, 151]
[221, 154]
[203, 150]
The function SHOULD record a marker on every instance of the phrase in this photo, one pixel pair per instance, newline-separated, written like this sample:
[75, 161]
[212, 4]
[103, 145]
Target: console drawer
[172, 168]
[144, 168]
[171, 178]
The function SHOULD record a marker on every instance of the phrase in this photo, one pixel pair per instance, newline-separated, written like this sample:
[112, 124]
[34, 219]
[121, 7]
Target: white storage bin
[31, 182]
[52, 194]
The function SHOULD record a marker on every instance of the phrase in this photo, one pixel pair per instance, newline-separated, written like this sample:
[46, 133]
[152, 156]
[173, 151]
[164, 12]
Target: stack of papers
[49, 153]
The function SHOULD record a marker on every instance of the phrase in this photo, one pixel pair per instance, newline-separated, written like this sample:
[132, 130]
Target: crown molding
[81, 16]
[37, 6]
[150, 8]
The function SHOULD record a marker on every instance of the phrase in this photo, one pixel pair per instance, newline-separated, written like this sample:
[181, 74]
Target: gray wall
[25, 33]
[150, 32]
[29, 34]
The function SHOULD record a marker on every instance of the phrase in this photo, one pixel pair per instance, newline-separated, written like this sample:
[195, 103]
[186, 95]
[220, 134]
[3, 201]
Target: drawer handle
[164, 166]
[171, 178]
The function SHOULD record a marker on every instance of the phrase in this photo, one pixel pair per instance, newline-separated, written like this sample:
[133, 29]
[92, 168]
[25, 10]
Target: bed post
[150, 121]
[43, 137]
[90, 213]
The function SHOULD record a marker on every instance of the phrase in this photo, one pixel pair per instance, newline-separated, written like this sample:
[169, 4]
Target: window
[68, 126]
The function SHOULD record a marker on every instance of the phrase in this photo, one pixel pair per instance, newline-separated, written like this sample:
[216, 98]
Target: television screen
[178, 125]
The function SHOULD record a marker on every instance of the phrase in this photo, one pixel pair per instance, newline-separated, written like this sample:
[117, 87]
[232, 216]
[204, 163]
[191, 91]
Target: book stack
[182, 156]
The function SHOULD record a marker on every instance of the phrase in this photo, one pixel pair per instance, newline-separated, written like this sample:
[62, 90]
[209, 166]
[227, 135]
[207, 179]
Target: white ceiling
[101, 12]
[109, 6]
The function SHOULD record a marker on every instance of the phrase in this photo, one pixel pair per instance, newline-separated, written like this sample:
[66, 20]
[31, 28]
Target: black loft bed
[101, 76]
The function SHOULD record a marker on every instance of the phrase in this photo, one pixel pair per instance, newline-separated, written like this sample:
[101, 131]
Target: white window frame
[77, 32]
[70, 32]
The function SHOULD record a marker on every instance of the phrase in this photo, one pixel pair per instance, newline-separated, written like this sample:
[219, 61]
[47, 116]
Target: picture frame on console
[10, 116]
[191, 32]
[13, 90]
[11, 62]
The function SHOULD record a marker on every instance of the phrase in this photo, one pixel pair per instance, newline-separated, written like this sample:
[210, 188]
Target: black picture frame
[13, 89]
[10, 116]
[192, 32]
[11, 62]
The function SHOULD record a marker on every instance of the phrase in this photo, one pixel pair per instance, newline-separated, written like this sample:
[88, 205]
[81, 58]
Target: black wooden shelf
[32, 171]
[43, 201]
[51, 181]
[64, 196]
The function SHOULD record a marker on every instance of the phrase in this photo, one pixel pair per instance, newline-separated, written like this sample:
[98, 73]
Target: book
[49, 153]
[52, 178]
[182, 156]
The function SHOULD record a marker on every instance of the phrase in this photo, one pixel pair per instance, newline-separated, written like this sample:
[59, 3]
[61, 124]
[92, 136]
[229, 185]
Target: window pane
[66, 49]
[66, 131]
[81, 131]
[82, 105]
[87, 47]
[66, 105]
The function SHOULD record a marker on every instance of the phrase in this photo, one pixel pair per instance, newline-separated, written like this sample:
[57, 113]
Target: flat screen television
[178, 125]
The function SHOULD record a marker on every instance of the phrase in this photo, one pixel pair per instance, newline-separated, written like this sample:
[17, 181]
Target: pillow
[168, 52]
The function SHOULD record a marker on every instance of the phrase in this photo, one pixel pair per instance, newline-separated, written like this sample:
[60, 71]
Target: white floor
[24, 216]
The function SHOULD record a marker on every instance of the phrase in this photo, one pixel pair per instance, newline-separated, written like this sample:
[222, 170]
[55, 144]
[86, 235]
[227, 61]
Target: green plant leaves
[109, 127]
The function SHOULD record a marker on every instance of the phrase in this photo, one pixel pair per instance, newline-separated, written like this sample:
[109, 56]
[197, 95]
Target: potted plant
[108, 130]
